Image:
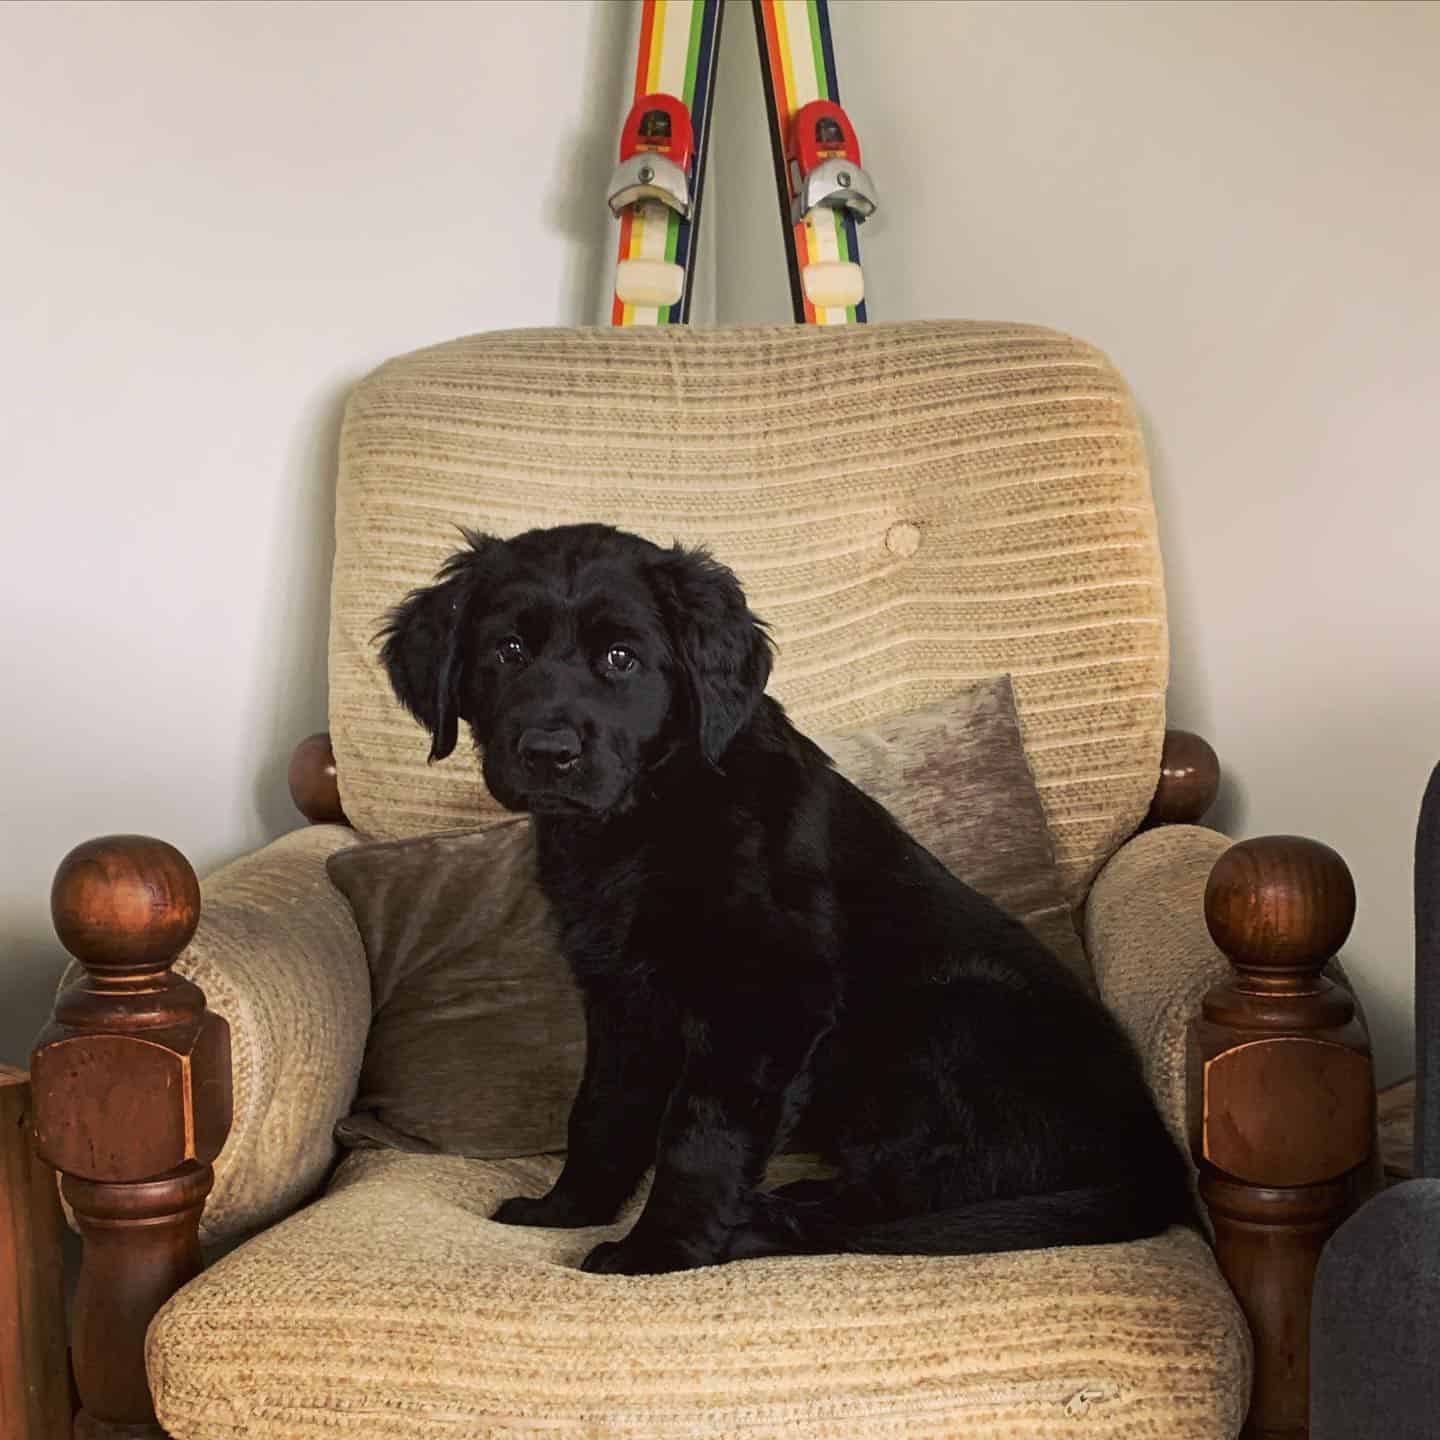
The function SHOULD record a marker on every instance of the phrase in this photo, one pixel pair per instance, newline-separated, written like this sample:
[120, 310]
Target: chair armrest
[1153, 955]
[135, 1088]
[1151, 952]
[1375, 1323]
[1218, 961]
[278, 955]
[279, 958]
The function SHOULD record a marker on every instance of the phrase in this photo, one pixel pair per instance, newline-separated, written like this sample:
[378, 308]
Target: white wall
[215, 217]
[1238, 202]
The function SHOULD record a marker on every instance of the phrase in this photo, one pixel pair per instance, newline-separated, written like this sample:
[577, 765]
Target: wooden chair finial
[1189, 780]
[125, 904]
[314, 782]
[1280, 905]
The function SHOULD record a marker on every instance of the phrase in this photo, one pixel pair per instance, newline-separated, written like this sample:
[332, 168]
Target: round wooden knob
[1280, 903]
[125, 903]
[1189, 780]
[314, 785]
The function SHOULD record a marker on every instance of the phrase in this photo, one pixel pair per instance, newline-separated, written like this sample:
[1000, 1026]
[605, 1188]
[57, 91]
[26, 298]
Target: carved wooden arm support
[1282, 1099]
[131, 1093]
[131, 1087]
[1281, 1088]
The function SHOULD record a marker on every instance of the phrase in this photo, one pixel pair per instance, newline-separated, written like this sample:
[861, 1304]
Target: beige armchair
[910, 506]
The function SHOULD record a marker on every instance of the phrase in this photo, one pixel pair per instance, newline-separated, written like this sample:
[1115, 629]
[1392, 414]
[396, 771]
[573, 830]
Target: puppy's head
[581, 658]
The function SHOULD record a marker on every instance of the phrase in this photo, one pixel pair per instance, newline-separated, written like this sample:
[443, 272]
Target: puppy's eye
[621, 658]
[511, 651]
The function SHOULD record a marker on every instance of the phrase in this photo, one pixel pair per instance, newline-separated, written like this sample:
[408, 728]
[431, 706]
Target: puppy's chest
[626, 912]
[596, 889]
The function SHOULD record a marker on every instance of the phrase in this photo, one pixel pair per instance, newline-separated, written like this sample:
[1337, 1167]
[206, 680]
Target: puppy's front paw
[611, 1258]
[549, 1211]
[633, 1256]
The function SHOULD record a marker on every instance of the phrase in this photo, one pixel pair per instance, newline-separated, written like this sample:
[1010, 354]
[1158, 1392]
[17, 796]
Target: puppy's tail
[1092, 1215]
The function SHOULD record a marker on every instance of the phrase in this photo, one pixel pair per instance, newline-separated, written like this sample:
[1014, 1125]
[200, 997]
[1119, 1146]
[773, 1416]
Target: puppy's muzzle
[547, 753]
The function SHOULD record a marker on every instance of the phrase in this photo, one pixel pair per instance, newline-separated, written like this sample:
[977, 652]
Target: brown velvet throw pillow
[477, 1039]
[477, 1036]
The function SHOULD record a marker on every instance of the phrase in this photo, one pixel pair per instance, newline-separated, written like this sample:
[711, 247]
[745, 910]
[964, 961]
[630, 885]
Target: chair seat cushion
[393, 1308]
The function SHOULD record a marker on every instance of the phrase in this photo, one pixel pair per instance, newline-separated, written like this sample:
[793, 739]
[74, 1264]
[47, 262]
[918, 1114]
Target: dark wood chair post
[1283, 1098]
[1189, 781]
[314, 784]
[131, 1093]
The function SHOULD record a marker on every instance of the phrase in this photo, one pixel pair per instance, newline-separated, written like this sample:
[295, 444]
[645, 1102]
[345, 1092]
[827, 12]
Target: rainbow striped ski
[657, 187]
[823, 190]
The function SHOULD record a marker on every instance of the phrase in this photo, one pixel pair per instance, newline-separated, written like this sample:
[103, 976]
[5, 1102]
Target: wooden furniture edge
[131, 1102]
[1282, 1097]
[34, 1364]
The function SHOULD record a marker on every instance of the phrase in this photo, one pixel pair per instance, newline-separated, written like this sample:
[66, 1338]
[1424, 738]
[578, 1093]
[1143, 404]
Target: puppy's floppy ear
[423, 650]
[722, 648]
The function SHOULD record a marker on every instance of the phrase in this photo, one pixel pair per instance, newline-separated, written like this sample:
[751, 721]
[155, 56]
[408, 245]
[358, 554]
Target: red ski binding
[657, 148]
[823, 154]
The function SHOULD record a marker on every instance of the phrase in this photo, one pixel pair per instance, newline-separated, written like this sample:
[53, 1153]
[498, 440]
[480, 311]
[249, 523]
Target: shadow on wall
[1187, 701]
[575, 202]
[292, 693]
[32, 975]
[1350, 723]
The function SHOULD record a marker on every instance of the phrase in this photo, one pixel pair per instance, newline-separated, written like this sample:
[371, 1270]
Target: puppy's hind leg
[802, 1218]
[775, 1227]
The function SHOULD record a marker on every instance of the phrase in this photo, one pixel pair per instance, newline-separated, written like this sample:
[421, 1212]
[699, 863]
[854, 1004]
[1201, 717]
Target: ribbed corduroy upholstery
[1151, 952]
[910, 507]
[395, 1310]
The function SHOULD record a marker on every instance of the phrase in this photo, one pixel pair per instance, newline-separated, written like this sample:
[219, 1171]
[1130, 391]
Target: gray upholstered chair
[1376, 1321]
[910, 506]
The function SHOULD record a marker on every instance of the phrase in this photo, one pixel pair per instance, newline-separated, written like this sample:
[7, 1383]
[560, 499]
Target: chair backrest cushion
[911, 507]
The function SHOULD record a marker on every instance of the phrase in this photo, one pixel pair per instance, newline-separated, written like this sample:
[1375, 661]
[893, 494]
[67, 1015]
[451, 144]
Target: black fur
[767, 960]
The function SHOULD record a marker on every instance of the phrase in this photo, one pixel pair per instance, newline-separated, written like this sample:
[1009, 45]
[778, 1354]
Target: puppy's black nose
[549, 752]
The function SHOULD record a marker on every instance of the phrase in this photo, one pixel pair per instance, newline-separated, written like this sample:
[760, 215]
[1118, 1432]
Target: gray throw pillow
[477, 1040]
[956, 777]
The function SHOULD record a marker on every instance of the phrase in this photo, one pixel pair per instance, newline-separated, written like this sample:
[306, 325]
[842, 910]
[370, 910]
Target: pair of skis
[657, 186]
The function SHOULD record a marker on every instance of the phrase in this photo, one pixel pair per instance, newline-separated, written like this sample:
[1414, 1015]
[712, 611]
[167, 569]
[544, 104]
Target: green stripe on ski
[672, 235]
[822, 85]
[692, 55]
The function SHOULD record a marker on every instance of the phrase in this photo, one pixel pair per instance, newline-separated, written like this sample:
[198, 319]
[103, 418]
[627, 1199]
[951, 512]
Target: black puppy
[767, 960]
